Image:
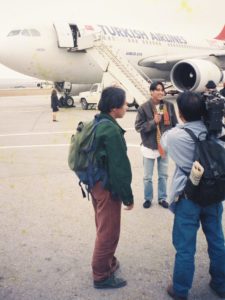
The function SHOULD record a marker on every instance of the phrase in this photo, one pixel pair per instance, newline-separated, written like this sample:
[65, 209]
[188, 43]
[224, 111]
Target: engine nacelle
[193, 74]
[223, 74]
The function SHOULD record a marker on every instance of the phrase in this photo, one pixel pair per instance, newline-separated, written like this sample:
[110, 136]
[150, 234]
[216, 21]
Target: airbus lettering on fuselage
[138, 34]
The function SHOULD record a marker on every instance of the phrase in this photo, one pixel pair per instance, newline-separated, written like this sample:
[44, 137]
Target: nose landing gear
[66, 101]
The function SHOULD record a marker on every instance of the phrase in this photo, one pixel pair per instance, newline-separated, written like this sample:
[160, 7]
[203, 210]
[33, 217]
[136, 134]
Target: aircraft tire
[84, 103]
[69, 101]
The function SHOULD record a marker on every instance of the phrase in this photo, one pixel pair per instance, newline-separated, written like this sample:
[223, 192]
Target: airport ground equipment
[117, 70]
[121, 72]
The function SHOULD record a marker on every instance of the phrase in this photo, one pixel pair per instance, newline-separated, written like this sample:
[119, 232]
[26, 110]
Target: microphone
[161, 104]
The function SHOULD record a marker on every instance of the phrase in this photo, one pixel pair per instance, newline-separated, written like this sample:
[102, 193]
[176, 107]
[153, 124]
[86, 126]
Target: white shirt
[149, 153]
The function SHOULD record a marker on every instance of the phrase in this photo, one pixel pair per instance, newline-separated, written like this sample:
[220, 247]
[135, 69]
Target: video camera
[215, 111]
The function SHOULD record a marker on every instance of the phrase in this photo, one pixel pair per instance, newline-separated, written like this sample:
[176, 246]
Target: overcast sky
[189, 17]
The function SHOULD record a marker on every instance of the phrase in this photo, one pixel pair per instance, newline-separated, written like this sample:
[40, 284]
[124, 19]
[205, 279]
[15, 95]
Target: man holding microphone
[154, 117]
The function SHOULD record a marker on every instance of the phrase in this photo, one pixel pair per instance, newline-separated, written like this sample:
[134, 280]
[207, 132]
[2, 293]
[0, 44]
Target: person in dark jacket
[54, 104]
[154, 117]
[107, 195]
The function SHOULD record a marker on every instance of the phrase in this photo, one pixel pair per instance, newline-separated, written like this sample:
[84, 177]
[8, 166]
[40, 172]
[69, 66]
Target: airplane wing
[165, 63]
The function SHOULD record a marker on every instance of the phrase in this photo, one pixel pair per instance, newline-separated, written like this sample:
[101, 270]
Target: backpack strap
[195, 139]
[82, 190]
[191, 133]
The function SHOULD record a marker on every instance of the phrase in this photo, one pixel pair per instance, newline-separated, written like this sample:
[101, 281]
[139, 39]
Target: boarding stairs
[121, 70]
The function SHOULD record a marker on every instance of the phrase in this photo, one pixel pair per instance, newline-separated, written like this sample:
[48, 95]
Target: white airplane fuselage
[41, 57]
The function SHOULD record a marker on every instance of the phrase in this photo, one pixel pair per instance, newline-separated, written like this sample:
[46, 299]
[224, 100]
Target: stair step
[136, 80]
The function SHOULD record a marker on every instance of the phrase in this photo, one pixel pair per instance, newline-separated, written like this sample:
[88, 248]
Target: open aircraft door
[64, 35]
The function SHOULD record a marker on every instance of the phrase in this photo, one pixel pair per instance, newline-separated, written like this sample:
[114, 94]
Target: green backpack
[82, 159]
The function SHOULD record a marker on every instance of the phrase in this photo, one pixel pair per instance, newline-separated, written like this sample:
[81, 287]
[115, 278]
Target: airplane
[61, 52]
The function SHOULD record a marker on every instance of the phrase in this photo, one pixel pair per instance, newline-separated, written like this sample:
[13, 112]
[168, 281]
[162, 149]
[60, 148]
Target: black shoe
[164, 203]
[219, 294]
[110, 283]
[147, 204]
[172, 294]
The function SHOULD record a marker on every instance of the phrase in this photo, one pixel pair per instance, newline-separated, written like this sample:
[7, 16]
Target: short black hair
[153, 85]
[111, 97]
[191, 105]
[210, 85]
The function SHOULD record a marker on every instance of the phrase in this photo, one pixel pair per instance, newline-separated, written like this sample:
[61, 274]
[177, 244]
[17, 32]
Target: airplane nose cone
[1, 47]
[10, 52]
[5, 51]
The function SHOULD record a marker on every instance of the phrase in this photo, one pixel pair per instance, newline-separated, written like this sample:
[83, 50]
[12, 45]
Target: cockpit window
[25, 32]
[34, 32]
[14, 32]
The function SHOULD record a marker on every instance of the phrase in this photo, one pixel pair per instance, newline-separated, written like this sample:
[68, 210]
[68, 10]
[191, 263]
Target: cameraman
[210, 86]
[214, 113]
[188, 215]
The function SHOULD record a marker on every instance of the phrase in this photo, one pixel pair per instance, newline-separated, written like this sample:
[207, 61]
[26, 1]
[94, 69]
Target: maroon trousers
[107, 220]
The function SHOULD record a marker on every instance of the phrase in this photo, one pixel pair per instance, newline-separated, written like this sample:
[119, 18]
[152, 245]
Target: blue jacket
[180, 147]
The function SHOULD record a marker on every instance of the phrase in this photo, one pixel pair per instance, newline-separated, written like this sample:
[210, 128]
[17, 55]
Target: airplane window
[34, 32]
[14, 32]
[25, 32]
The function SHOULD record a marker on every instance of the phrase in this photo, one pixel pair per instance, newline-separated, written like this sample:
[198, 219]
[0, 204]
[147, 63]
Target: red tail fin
[221, 35]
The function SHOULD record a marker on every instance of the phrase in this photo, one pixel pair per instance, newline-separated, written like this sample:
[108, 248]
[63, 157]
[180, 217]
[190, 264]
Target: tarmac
[47, 229]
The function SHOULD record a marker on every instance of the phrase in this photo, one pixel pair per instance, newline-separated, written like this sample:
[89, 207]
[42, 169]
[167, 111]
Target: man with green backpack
[102, 164]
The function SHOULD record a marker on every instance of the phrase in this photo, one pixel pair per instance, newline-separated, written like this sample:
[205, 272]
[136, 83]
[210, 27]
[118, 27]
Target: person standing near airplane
[154, 117]
[112, 190]
[54, 104]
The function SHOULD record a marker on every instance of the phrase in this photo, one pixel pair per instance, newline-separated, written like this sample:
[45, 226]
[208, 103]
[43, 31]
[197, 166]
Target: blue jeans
[188, 216]
[162, 164]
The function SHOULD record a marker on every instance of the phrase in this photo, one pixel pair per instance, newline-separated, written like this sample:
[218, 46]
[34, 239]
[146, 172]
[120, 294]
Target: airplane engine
[193, 74]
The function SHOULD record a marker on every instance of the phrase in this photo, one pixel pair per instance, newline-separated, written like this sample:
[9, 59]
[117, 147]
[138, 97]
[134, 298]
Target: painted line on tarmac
[35, 133]
[23, 111]
[45, 133]
[50, 145]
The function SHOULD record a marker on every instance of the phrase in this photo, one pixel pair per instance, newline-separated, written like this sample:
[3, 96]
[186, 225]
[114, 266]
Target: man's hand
[157, 118]
[129, 207]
